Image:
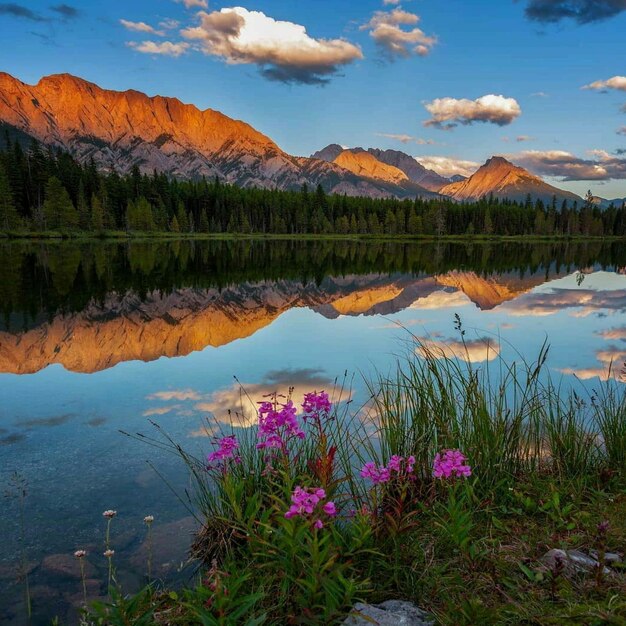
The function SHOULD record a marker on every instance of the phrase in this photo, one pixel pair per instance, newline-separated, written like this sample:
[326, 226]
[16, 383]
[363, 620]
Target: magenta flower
[398, 465]
[316, 405]
[307, 502]
[376, 474]
[277, 425]
[451, 464]
[227, 449]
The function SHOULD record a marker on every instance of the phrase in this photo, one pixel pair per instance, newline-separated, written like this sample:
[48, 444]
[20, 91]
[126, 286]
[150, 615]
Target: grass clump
[446, 489]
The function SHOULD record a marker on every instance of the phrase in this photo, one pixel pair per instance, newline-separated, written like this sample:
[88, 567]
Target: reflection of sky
[60, 429]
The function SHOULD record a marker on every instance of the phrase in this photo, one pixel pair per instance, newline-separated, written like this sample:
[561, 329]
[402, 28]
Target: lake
[102, 337]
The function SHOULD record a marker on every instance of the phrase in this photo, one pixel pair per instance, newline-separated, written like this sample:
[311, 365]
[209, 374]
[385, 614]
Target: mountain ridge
[502, 179]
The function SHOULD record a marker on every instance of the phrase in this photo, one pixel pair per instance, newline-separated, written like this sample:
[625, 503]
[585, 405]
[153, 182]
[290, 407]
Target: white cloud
[169, 23]
[165, 48]
[616, 82]
[282, 50]
[472, 351]
[448, 166]
[450, 112]
[540, 94]
[386, 30]
[141, 27]
[191, 4]
[521, 138]
[175, 394]
[403, 138]
[390, 2]
[569, 167]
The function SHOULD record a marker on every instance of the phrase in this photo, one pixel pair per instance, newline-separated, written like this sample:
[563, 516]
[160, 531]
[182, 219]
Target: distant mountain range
[119, 130]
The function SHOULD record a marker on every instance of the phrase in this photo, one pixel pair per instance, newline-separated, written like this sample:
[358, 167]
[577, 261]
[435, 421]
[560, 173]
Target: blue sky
[468, 50]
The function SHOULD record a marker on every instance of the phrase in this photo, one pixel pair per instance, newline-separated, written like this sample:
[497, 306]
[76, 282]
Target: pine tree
[8, 213]
[84, 217]
[97, 214]
[174, 225]
[58, 210]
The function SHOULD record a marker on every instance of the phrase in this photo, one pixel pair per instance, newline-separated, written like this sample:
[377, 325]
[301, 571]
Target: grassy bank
[446, 488]
[120, 235]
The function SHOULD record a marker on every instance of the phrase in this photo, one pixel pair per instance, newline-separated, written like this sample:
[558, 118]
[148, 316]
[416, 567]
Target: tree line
[45, 189]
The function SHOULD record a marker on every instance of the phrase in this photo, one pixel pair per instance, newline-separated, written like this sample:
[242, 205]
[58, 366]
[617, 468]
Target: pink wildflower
[316, 405]
[277, 426]
[398, 465]
[374, 473]
[227, 449]
[451, 464]
[306, 503]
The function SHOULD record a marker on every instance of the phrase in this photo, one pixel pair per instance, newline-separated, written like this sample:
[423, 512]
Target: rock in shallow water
[389, 613]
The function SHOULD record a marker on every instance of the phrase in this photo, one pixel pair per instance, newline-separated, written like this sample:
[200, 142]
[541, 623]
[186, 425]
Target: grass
[547, 468]
[116, 235]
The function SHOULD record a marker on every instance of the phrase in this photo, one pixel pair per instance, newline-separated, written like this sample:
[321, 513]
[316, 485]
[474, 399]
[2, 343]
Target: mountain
[505, 180]
[121, 129]
[415, 171]
[365, 164]
[603, 203]
[357, 159]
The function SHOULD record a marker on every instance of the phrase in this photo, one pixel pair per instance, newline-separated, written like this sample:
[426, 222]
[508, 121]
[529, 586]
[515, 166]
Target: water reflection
[273, 313]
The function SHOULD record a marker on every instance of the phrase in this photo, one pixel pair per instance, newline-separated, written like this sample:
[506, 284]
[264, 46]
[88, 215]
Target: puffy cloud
[180, 395]
[450, 112]
[472, 351]
[169, 24]
[191, 4]
[614, 333]
[581, 302]
[448, 166]
[568, 167]
[162, 410]
[238, 404]
[282, 50]
[612, 365]
[141, 27]
[165, 48]
[581, 11]
[441, 300]
[386, 30]
[616, 82]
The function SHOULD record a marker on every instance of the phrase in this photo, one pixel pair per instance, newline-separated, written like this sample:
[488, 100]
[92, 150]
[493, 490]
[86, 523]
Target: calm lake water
[101, 337]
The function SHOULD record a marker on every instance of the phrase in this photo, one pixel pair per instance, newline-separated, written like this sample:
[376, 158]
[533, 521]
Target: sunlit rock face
[125, 327]
[121, 129]
[505, 180]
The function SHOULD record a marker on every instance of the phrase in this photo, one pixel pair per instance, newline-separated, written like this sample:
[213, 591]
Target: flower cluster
[277, 425]
[109, 514]
[316, 405]
[451, 464]
[227, 449]
[307, 502]
[400, 466]
[80, 554]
